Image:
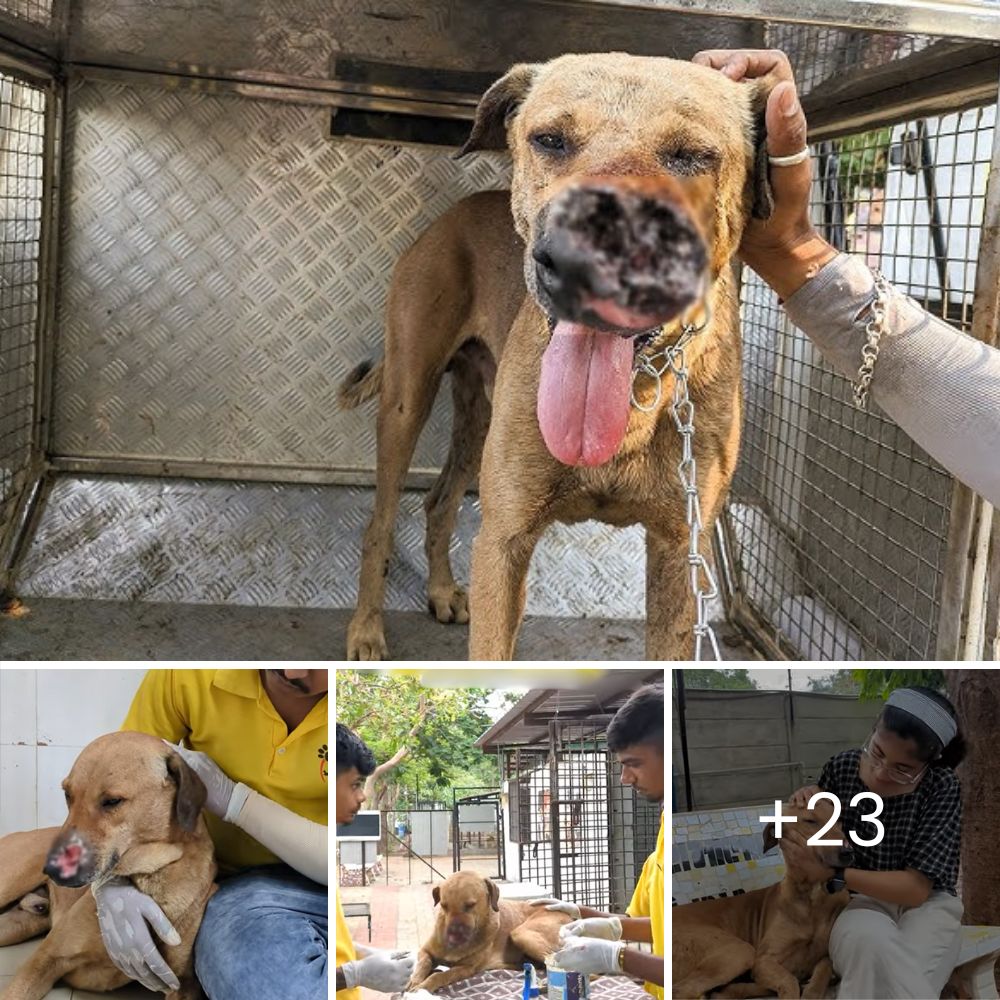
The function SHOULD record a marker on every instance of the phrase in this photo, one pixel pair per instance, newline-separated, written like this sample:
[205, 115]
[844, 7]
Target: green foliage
[842, 682]
[719, 680]
[863, 160]
[877, 685]
[384, 708]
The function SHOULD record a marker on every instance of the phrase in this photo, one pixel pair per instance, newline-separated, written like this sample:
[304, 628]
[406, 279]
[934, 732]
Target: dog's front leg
[424, 967]
[497, 592]
[670, 608]
[770, 973]
[39, 973]
[447, 977]
[819, 981]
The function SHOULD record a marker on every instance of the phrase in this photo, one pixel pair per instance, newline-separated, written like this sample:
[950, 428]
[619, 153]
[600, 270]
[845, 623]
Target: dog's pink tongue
[583, 394]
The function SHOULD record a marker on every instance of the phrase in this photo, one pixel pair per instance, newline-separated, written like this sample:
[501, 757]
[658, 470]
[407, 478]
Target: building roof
[527, 721]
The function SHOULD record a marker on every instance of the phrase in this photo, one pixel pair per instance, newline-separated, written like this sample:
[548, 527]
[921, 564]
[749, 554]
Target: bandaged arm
[937, 383]
[298, 841]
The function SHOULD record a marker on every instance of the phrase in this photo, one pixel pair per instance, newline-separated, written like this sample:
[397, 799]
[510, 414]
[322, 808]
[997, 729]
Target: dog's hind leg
[408, 392]
[470, 422]
[721, 962]
[18, 925]
[534, 943]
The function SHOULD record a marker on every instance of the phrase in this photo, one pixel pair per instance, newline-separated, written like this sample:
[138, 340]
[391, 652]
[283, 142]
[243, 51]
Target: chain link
[873, 334]
[671, 359]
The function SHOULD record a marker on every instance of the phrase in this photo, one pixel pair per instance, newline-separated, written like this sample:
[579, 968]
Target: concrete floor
[14, 956]
[60, 629]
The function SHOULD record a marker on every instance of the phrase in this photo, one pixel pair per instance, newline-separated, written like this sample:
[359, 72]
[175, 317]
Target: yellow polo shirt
[345, 951]
[647, 901]
[228, 715]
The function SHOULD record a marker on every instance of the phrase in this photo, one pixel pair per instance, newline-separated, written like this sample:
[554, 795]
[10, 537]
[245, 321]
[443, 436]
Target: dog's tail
[364, 383]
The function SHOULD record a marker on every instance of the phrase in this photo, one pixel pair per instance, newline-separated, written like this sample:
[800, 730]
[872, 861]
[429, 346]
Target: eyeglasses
[892, 773]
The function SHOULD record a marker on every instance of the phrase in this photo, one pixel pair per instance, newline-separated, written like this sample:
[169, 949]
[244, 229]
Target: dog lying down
[476, 930]
[134, 812]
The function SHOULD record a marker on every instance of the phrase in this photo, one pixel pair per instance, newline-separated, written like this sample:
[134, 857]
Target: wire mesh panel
[840, 521]
[35, 11]
[579, 831]
[832, 55]
[22, 117]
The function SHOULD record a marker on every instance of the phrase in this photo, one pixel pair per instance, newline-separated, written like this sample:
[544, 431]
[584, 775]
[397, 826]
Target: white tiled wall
[46, 718]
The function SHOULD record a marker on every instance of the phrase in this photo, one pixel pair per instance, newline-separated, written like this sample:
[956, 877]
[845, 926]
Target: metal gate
[477, 828]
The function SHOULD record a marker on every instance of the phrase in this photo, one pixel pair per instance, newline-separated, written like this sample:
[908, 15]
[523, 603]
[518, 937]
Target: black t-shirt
[922, 828]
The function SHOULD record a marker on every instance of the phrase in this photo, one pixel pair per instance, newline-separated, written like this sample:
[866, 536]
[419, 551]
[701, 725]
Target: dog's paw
[365, 638]
[448, 604]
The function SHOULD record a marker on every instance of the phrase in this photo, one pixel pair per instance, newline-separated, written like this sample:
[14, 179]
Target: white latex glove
[589, 955]
[122, 912]
[225, 797]
[609, 928]
[385, 971]
[559, 906]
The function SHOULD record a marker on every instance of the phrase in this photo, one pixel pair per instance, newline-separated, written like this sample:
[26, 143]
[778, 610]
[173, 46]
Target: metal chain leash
[873, 334]
[670, 358]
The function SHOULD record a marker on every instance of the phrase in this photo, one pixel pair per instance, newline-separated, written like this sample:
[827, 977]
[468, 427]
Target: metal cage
[192, 256]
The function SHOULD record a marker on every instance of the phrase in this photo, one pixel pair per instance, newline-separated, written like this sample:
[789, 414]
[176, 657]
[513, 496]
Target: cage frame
[971, 584]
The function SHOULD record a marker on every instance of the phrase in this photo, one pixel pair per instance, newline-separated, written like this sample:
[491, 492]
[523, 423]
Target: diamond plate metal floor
[57, 629]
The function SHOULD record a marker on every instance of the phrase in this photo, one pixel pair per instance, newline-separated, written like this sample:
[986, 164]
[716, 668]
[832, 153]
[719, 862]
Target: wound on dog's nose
[643, 252]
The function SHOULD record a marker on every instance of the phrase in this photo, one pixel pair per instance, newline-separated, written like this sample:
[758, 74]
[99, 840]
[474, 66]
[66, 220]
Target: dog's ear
[496, 108]
[191, 792]
[769, 840]
[436, 893]
[494, 894]
[762, 199]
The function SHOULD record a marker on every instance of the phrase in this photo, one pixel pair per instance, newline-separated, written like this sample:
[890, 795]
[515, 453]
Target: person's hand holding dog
[122, 912]
[559, 906]
[785, 250]
[225, 797]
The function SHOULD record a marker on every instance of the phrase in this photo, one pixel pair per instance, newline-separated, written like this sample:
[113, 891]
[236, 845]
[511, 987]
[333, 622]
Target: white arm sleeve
[299, 842]
[937, 383]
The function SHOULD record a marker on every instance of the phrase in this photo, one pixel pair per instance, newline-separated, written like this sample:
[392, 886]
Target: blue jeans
[264, 937]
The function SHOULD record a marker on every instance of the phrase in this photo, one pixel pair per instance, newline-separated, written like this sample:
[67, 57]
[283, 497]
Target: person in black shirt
[899, 935]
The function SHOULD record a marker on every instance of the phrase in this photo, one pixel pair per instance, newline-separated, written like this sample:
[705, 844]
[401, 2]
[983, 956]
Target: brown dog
[475, 930]
[134, 811]
[633, 179]
[780, 934]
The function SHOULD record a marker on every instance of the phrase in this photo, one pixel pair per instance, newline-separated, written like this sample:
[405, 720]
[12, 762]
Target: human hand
[122, 912]
[768, 245]
[801, 796]
[385, 971]
[559, 906]
[609, 928]
[225, 796]
[589, 955]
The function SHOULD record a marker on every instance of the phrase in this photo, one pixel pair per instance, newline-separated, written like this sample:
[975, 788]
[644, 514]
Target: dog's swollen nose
[616, 257]
[68, 863]
[620, 254]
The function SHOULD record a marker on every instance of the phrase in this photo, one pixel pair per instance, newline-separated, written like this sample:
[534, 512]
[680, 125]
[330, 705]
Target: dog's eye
[470, 906]
[688, 162]
[111, 803]
[549, 142]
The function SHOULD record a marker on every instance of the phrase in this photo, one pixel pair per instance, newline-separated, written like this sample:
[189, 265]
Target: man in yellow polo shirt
[376, 969]
[258, 739]
[594, 941]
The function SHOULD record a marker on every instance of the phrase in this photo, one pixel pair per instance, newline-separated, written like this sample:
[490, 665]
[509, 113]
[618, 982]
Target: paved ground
[58, 629]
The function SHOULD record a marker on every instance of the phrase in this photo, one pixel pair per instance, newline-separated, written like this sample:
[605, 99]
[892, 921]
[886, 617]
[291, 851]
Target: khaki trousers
[884, 951]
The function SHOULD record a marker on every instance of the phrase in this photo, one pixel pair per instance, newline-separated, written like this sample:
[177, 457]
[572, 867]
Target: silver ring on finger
[789, 161]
